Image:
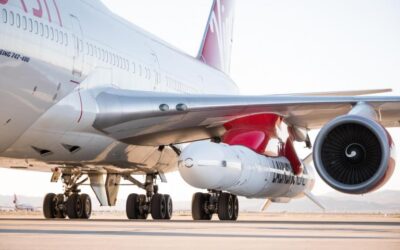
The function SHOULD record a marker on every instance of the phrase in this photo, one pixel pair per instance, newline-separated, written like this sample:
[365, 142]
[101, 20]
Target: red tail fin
[217, 42]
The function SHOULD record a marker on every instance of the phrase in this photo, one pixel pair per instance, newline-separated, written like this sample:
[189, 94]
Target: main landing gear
[140, 206]
[204, 205]
[70, 203]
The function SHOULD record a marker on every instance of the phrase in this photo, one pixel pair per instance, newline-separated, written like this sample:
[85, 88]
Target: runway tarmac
[252, 231]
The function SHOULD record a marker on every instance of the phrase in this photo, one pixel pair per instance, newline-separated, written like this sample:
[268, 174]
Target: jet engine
[354, 154]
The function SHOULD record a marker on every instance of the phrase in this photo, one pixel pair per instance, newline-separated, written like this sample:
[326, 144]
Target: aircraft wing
[149, 118]
[346, 93]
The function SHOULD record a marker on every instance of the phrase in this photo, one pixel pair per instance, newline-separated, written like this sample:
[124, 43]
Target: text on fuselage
[39, 7]
[287, 177]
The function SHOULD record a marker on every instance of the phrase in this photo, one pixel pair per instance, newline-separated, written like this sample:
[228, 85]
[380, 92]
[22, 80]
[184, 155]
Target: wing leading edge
[148, 118]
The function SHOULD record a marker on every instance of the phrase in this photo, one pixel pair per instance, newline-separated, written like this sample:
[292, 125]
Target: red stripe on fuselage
[58, 12]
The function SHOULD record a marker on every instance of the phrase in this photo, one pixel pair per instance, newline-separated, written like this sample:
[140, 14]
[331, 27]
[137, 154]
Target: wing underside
[147, 118]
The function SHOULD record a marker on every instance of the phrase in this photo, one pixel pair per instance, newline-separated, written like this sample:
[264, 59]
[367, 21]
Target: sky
[285, 46]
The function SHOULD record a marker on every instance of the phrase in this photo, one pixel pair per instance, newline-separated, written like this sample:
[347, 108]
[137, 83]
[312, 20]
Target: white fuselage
[53, 57]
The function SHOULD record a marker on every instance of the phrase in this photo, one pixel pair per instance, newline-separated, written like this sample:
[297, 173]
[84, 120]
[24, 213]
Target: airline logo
[41, 9]
[218, 42]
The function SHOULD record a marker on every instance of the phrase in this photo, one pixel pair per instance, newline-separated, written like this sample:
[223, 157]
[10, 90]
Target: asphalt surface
[252, 231]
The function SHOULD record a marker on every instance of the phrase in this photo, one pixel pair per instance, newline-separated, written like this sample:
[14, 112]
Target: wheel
[132, 207]
[169, 207]
[235, 208]
[74, 207]
[207, 215]
[158, 207]
[225, 206]
[198, 207]
[86, 206]
[49, 206]
[59, 206]
[143, 213]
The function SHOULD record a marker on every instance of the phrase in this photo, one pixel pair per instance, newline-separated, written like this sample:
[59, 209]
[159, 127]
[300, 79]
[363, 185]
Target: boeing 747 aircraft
[93, 98]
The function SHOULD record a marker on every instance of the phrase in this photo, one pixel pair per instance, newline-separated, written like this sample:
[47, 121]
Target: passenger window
[36, 27]
[18, 20]
[46, 31]
[51, 33]
[24, 23]
[4, 15]
[56, 35]
[11, 18]
[30, 25]
[66, 39]
[41, 29]
[133, 67]
[60, 37]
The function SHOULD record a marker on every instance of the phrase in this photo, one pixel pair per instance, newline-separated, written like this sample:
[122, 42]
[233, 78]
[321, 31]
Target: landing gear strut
[140, 206]
[71, 203]
[204, 205]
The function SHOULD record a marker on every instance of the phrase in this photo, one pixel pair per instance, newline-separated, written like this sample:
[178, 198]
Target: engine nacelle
[354, 154]
[241, 171]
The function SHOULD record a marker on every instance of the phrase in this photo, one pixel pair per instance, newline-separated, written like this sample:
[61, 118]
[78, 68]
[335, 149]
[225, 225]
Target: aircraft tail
[216, 46]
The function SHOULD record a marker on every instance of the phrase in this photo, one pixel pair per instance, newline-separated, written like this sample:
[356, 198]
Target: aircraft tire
[169, 207]
[158, 207]
[132, 207]
[198, 202]
[74, 207]
[225, 206]
[86, 206]
[235, 208]
[49, 206]
[59, 199]
[142, 213]
[206, 197]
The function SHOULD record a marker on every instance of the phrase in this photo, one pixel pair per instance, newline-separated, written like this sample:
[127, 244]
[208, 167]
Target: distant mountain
[378, 202]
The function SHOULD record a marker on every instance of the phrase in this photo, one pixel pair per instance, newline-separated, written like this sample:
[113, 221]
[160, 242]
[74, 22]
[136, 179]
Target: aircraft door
[155, 67]
[78, 51]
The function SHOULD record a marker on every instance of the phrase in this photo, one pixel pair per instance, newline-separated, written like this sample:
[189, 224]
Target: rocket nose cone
[204, 165]
[198, 165]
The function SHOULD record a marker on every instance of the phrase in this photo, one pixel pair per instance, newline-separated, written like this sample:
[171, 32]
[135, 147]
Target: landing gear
[135, 207]
[140, 206]
[228, 207]
[200, 207]
[71, 203]
[204, 205]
